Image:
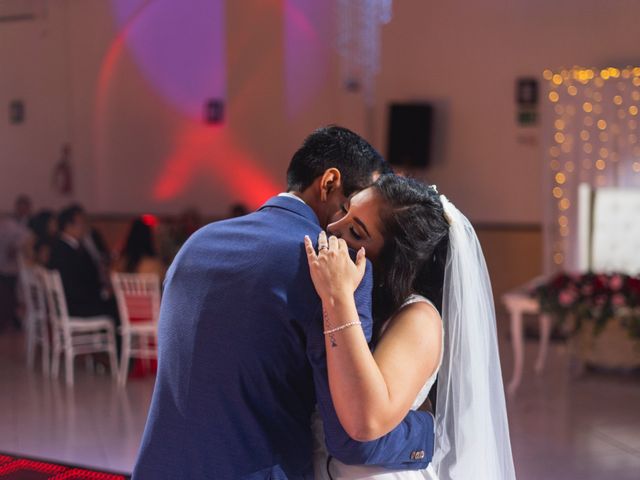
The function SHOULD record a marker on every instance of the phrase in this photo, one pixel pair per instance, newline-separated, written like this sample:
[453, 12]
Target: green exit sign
[527, 118]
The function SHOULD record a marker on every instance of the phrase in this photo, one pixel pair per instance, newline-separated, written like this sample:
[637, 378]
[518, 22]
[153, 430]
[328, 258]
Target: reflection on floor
[561, 427]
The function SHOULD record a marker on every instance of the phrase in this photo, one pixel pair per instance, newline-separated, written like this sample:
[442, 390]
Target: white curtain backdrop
[590, 131]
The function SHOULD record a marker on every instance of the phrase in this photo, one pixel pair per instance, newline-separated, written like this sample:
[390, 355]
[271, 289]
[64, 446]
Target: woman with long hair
[139, 252]
[434, 315]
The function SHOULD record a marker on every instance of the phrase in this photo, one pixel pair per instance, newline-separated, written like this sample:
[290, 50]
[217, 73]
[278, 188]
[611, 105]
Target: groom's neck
[310, 197]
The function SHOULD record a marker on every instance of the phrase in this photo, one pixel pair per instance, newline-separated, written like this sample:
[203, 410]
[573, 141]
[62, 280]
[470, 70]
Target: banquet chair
[74, 336]
[35, 319]
[138, 298]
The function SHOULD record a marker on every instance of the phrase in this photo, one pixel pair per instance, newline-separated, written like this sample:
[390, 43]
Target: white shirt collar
[69, 240]
[291, 195]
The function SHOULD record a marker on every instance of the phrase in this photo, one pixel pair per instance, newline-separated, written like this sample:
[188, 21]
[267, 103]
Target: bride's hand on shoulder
[333, 272]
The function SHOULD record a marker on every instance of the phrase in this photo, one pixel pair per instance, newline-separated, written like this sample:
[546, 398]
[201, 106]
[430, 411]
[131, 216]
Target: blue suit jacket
[242, 360]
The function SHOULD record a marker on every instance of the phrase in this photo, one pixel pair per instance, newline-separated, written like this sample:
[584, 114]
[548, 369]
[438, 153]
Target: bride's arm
[371, 393]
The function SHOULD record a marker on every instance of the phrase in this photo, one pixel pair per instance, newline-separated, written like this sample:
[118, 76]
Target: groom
[242, 363]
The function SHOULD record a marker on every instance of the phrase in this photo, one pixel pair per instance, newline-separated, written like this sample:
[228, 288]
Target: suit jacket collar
[293, 205]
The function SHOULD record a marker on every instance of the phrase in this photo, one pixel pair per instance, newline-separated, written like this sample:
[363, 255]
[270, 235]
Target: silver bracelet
[342, 327]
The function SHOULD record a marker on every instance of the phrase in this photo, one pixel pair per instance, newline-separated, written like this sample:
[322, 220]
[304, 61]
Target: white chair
[35, 320]
[76, 335]
[138, 297]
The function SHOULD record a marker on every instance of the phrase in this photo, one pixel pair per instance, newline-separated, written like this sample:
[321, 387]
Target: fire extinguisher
[62, 172]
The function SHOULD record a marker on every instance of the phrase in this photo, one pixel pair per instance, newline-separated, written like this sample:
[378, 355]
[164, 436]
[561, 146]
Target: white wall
[466, 56]
[34, 69]
[462, 55]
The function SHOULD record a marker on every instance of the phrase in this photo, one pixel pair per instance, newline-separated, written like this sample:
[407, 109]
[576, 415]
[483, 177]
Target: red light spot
[150, 220]
[214, 149]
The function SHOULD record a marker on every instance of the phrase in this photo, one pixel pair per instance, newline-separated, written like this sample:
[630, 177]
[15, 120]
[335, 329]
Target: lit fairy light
[594, 138]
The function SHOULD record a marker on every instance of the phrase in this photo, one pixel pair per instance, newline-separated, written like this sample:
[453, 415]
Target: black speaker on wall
[409, 142]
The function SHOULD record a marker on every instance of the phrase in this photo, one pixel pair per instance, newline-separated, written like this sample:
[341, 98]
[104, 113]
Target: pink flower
[567, 297]
[616, 283]
[618, 300]
[587, 290]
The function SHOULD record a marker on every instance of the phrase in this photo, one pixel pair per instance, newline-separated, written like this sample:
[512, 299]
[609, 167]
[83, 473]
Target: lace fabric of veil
[472, 430]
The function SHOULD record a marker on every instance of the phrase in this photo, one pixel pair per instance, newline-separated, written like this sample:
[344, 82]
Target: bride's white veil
[472, 431]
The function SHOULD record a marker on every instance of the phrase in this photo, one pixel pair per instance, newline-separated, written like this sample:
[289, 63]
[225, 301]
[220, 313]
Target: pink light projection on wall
[212, 150]
[180, 50]
[307, 47]
[180, 47]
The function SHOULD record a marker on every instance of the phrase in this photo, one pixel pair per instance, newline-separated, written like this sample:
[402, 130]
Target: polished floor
[562, 427]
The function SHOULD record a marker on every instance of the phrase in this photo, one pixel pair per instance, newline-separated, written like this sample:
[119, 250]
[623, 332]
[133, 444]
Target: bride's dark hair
[416, 239]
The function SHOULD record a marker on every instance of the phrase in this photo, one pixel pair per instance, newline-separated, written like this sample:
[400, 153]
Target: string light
[592, 137]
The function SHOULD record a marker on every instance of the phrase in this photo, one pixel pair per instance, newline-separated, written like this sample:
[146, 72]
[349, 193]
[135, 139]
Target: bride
[426, 262]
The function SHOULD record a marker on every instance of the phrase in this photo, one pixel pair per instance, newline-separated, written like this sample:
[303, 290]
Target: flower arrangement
[593, 298]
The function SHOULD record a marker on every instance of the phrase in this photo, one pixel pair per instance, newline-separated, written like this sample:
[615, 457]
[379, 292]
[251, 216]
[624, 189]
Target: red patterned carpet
[20, 468]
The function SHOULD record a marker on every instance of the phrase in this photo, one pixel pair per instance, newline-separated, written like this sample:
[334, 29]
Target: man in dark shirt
[80, 275]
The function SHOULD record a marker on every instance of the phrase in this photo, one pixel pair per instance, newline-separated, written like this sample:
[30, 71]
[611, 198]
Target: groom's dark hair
[335, 147]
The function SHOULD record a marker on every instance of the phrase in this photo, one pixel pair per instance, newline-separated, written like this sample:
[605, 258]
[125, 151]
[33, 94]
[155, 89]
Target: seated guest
[13, 237]
[44, 229]
[94, 242]
[83, 288]
[14, 242]
[22, 210]
[139, 252]
[238, 210]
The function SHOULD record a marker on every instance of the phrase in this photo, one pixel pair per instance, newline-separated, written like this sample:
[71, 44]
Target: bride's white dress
[340, 471]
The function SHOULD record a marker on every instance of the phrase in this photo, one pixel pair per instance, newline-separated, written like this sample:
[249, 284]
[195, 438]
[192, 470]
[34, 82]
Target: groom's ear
[331, 180]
